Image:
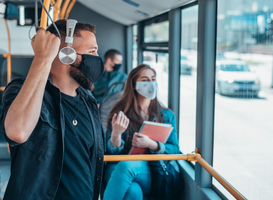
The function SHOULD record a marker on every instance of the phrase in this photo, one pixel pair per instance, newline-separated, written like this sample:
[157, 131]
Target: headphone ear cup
[67, 55]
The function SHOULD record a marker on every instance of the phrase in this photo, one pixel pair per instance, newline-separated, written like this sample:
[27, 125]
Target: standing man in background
[111, 75]
[52, 123]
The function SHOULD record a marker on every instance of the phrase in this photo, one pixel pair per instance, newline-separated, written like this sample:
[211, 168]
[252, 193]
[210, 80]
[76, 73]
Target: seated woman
[132, 179]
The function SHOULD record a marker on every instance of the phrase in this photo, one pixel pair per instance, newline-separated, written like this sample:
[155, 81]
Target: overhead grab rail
[53, 2]
[196, 157]
[59, 12]
[57, 9]
[64, 8]
[69, 8]
[43, 23]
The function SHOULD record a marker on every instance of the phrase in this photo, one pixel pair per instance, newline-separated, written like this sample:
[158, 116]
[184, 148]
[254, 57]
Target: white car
[185, 67]
[233, 77]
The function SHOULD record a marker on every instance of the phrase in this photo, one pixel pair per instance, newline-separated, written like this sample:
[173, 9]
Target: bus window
[188, 78]
[243, 100]
[158, 32]
[160, 62]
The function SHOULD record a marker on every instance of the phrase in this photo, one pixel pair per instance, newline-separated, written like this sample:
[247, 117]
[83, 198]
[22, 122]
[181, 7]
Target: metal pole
[129, 49]
[174, 63]
[36, 15]
[207, 23]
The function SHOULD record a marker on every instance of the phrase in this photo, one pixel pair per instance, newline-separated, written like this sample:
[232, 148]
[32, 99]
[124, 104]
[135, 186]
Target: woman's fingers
[127, 122]
[119, 117]
[134, 141]
[124, 121]
[119, 122]
[114, 118]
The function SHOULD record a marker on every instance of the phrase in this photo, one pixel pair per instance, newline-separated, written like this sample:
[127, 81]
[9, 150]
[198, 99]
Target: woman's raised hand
[119, 123]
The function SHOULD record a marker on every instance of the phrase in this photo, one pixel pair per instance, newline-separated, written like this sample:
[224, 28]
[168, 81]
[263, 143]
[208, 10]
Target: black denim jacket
[36, 165]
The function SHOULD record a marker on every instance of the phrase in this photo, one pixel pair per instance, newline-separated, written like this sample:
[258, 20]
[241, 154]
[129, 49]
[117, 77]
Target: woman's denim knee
[128, 167]
[131, 177]
[134, 192]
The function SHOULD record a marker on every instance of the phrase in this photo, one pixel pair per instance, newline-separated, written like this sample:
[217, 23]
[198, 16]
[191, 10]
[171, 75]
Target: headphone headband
[70, 27]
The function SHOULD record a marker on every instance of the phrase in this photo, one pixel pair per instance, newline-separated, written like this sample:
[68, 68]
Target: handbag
[166, 179]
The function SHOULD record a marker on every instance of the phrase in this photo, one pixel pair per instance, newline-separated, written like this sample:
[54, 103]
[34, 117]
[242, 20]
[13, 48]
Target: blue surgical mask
[147, 89]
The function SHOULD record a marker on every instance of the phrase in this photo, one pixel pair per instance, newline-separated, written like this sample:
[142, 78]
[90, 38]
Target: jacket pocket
[46, 136]
[53, 120]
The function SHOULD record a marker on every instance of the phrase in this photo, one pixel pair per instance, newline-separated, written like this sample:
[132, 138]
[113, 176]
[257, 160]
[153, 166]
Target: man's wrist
[43, 60]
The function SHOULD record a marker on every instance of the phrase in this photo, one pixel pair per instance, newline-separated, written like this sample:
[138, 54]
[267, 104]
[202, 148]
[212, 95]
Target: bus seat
[110, 98]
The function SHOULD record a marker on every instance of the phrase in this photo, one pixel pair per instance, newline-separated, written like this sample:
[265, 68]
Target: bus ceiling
[125, 12]
[131, 11]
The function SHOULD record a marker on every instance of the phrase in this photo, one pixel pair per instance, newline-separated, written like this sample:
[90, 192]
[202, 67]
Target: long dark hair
[130, 106]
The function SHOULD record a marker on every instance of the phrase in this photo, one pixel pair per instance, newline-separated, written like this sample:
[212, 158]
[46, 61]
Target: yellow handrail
[189, 157]
[69, 8]
[145, 157]
[8, 55]
[64, 8]
[53, 2]
[43, 23]
[220, 179]
[57, 9]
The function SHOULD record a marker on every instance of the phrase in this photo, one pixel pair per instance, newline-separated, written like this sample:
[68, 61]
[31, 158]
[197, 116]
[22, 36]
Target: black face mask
[91, 66]
[116, 67]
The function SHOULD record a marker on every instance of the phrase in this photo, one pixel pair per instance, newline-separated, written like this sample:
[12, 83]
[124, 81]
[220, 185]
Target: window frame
[161, 47]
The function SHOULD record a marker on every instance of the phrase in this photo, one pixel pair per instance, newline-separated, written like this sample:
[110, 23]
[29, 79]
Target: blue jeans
[127, 180]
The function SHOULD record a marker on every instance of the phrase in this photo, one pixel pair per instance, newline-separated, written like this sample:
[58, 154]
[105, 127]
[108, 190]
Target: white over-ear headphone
[68, 55]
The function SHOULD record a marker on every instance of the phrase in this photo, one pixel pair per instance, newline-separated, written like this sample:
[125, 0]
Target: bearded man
[52, 123]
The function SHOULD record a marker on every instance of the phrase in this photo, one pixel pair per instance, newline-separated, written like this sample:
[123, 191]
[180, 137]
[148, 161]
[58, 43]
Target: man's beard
[78, 76]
